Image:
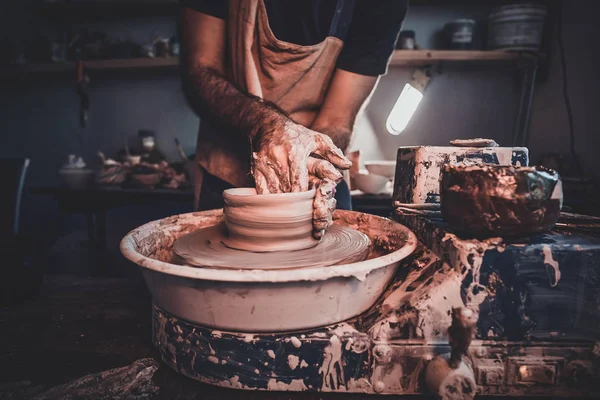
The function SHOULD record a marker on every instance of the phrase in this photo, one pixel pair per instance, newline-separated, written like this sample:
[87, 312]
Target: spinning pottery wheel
[262, 299]
[207, 248]
[270, 232]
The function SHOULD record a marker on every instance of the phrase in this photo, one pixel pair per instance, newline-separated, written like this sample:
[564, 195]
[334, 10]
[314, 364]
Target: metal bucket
[266, 300]
[517, 27]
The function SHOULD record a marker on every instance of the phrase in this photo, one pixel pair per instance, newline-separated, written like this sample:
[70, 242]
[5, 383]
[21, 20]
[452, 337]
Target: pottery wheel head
[206, 248]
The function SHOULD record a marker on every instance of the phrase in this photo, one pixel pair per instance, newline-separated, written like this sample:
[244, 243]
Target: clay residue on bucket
[384, 237]
[155, 239]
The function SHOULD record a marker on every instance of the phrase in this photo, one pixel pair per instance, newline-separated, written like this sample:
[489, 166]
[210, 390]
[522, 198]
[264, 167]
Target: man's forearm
[227, 107]
[347, 95]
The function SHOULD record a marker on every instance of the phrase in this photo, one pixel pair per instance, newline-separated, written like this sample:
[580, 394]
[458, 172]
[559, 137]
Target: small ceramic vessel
[268, 222]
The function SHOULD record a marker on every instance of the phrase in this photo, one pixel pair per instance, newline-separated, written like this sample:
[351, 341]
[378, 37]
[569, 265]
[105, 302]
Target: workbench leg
[98, 252]
[91, 226]
[101, 230]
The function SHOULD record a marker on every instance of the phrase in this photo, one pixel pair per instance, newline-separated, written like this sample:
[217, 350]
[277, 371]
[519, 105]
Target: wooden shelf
[424, 57]
[399, 58]
[131, 64]
[93, 10]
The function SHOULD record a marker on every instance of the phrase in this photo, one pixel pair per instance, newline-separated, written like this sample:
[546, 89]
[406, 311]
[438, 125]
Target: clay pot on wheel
[497, 200]
[268, 222]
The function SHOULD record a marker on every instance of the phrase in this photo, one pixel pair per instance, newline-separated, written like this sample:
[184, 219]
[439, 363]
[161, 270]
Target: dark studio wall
[40, 119]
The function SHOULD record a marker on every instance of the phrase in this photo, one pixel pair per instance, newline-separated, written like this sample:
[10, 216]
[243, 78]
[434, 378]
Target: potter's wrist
[270, 122]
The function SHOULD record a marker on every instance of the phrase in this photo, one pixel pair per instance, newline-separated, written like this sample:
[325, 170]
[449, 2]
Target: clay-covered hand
[323, 205]
[283, 158]
[296, 159]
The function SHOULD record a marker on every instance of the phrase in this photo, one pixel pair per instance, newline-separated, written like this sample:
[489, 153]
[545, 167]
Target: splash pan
[273, 300]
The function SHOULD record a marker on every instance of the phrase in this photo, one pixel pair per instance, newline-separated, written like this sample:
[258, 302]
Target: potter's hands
[296, 159]
[285, 158]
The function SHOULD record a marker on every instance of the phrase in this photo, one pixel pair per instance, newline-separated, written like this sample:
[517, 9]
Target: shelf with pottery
[424, 57]
[110, 9]
[156, 63]
[399, 58]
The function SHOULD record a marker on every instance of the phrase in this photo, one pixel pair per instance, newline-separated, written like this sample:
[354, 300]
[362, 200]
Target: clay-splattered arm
[210, 94]
[281, 148]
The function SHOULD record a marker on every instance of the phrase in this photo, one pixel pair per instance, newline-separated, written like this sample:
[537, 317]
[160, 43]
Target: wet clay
[507, 201]
[208, 247]
[268, 222]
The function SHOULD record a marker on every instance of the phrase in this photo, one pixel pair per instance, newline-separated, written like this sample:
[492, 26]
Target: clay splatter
[296, 385]
[550, 261]
[293, 361]
[331, 370]
[296, 342]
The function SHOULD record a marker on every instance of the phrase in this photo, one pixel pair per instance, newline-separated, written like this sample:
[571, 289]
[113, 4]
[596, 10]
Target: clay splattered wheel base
[205, 248]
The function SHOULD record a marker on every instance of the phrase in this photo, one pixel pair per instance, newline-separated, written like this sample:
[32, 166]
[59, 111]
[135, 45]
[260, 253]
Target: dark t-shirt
[369, 33]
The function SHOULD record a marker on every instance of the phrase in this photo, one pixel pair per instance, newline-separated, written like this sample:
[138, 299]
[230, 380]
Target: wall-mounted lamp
[407, 102]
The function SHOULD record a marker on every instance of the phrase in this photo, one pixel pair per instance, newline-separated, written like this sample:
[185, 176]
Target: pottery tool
[189, 166]
[180, 149]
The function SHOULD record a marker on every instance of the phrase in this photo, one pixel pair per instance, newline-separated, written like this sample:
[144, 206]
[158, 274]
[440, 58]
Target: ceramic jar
[268, 222]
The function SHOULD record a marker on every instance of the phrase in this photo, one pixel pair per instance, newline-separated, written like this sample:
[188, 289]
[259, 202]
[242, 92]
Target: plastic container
[517, 27]
[460, 34]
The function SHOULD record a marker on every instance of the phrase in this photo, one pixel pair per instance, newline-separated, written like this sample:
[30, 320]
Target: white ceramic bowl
[134, 160]
[381, 167]
[255, 300]
[76, 178]
[268, 222]
[369, 183]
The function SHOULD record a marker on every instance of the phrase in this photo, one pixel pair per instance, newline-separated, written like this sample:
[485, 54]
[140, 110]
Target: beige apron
[294, 77]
